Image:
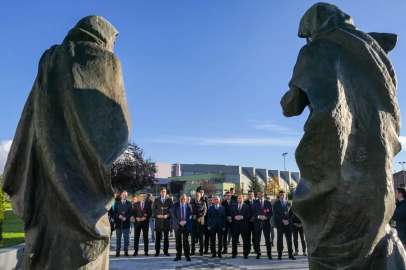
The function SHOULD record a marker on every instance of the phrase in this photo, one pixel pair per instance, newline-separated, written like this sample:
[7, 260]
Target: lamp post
[403, 167]
[284, 155]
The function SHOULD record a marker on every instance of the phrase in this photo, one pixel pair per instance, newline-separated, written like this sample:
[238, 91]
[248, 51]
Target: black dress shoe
[167, 254]
[258, 256]
[188, 259]
[270, 257]
[156, 254]
[224, 251]
[292, 257]
[279, 256]
[192, 253]
[213, 256]
[177, 259]
[117, 254]
[126, 254]
[146, 254]
[135, 253]
[220, 256]
[245, 257]
[206, 252]
[200, 253]
[234, 256]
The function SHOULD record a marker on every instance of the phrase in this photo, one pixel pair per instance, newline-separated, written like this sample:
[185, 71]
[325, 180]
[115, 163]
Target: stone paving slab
[162, 262]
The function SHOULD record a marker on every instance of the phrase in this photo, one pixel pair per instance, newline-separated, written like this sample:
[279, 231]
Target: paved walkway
[163, 262]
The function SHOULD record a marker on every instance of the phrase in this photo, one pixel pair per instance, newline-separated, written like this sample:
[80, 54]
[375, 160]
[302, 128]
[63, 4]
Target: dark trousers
[219, 232]
[178, 238]
[144, 226]
[207, 234]
[297, 231]
[287, 231]
[245, 234]
[272, 233]
[158, 242]
[197, 234]
[126, 235]
[266, 230]
[225, 234]
[252, 231]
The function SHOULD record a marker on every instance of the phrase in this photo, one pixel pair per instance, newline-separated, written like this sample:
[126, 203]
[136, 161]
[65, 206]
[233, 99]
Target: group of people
[208, 222]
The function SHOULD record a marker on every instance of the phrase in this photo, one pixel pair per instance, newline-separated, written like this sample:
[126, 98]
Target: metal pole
[284, 166]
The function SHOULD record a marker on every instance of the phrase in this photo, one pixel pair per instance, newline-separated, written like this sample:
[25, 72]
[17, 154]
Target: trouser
[126, 234]
[171, 225]
[186, 249]
[225, 234]
[287, 231]
[265, 228]
[297, 231]
[152, 227]
[197, 234]
[251, 226]
[245, 234]
[272, 234]
[219, 232]
[158, 242]
[143, 225]
[206, 239]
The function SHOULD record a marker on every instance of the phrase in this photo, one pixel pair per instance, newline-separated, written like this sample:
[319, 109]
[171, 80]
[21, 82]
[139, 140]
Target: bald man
[181, 216]
[216, 223]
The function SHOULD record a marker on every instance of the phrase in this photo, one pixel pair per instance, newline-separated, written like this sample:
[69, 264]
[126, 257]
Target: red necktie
[142, 206]
[183, 213]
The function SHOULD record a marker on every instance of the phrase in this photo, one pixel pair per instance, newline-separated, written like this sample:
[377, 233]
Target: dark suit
[251, 224]
[207, 232]
[296, 232]
[182, 231]
[283, 213]
[227, 207]
[199, 210]
[122, 227]
[217, 223]
[265, 226]
[141, 212]
[241, 227]
[161, 224]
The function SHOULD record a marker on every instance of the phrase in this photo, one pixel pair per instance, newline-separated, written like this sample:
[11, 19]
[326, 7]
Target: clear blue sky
[203, 78]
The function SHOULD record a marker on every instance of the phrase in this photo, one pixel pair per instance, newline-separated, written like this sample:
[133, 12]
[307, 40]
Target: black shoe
[177, 259]
[192, 253]
[167, 254]
[126, 254]
[224, 251]
[279, 256]
[258, 256]
[234, 256]
[213, 256]
[188, 259]
[146, 254]
[156, 254]
[135, 253]
[270, 257]
[272, 244]
[200, 253]
[292, 257]
[245, 257]
[220, 256]
[206, 252]
[117, 254]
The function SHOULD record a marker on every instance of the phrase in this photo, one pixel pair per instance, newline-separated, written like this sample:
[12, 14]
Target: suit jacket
[283, 214]
[258, 211]
[200, 211]
[227, 206]
[125, 210]
[217, 218]
[207, 214]
[162, 225]
[177, 216]
[400, 217]
[245, 212]
[146, 212]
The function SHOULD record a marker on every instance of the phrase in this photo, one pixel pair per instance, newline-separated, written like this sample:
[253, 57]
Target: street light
[284, 155]
[403, 167]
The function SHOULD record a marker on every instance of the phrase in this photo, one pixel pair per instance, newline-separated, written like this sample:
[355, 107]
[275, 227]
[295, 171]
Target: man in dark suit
[262, 212]
[142, 212]
[400, 214]
[181, 215]
[227, 207]
[199, 212]
[216, 223]
[250, 202]
[207, 232]
[240, 214]
[122, 214]
[233, 197]
[162, 211]
[298, 231]
[284, 224]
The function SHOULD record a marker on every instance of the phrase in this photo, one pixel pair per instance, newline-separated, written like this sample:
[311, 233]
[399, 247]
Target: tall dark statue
[345, 198]
[75, 123]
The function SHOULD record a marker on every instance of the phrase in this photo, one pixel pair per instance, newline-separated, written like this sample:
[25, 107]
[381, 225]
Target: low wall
[11, 258]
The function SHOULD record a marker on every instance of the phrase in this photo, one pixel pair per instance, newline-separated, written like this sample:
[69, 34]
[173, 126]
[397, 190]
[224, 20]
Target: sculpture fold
[75, 123]
[345, 198]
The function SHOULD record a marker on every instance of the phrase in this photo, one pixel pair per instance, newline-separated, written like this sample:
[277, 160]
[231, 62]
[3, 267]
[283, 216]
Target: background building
[399, 179]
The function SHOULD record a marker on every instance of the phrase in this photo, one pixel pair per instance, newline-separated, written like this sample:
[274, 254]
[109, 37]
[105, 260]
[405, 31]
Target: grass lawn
[13, 231]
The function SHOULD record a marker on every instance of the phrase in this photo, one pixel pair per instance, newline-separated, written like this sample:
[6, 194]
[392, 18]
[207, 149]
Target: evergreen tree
[292, 189]
[255, 185]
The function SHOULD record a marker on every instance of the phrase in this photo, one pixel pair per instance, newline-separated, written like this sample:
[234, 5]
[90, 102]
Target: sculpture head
[96, 29]
[322, 18]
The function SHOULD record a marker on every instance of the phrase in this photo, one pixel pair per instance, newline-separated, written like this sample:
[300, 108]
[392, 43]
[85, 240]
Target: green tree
[238, 190]
[2, 200]
[292, 189]
[255, 185]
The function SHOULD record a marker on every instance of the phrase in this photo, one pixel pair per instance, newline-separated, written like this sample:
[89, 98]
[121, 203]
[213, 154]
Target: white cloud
[267, 125]
[403, 142]
[4, 149]
[287, 141]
